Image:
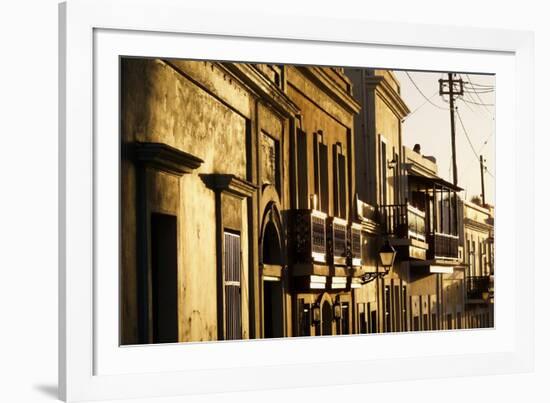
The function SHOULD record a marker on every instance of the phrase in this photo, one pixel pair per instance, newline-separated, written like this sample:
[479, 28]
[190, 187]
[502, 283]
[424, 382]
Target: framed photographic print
[249, 201]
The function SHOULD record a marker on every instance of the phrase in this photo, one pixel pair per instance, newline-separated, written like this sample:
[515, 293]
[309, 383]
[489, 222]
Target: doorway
[273, 309]
[326, 319]
[164, 276]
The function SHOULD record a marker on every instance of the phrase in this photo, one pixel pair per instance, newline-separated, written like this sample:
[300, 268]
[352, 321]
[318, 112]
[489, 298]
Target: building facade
[256, 197]
[415, 211]
[238, 189]
[479, 262]
[382, 301]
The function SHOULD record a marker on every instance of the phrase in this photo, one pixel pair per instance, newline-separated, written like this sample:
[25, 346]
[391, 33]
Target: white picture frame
[92, 365]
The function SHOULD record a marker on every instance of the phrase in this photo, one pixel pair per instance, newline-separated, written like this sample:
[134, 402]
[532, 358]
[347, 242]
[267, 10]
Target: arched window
[271, 246]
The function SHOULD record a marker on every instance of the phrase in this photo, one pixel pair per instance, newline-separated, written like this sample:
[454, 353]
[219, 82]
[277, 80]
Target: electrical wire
[417, 108]
[477, 103]
[468, 100]
[470, 142]
[469, 107]
[466, 133]
[421, 93]
[476, 111]
[477, 84]
[478, 97]
[472, 87]
[474, 91]
[485, 142]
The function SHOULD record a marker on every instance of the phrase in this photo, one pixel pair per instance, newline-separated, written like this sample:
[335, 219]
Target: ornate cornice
[164, 157]
[386, 92]
[229, 183]
[255, 81]
[326, 83]
[476, 225]
[370, 226]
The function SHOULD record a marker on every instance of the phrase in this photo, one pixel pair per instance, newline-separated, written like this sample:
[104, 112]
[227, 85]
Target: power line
[477, 84]
[478, 97]
[424, 103]
[421, 93]
[479, 88]
[470, 143]
[479, 111]
[477, 103]
[466, 133]
[485, 142]
[472, 90]
[469, 107]
[476, 111]
[478, 92]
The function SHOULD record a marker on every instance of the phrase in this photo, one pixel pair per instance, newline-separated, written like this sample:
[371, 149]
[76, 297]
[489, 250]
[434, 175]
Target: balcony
[310, 240]
[478, 287]
[443, 246]
[338, 241]
[403, 221]
[356, 245]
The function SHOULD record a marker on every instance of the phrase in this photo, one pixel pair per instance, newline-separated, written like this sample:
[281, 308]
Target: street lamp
[485, 296]
[387, 255]
[337, 311]
[316, 313]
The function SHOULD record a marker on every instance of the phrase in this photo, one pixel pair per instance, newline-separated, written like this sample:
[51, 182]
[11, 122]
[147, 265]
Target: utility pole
[482, 168]
[447, 87]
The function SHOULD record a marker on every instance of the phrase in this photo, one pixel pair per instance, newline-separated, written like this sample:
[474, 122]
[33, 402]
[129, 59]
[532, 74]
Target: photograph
[247, 202]
[262, 201]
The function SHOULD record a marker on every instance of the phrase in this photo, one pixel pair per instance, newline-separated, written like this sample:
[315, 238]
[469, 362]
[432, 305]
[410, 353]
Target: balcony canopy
[434, 180]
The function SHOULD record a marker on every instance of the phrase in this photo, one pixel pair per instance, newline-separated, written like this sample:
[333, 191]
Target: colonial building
[237, 198]
[436, 273]
[416, 212]
[479, 262]
[382, 300]
[324, 241]
[255, 199]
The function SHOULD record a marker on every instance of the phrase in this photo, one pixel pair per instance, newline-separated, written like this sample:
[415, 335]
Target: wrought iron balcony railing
[310, 236]
[477, 286]
[339, 241]
[403, 221]
[443, 246]
[318, 238]
[356, 245]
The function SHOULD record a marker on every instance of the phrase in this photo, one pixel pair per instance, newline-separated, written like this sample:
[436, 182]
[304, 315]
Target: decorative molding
[386, 92]
[164, 157]
[367, 217]
[325, 82]
[435, 180]
[257, 83]
[472, 224]
[229, 183]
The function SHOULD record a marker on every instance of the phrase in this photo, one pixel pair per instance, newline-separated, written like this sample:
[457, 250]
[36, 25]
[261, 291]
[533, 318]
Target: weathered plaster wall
[320, 113]
[423, 293]
[198, 307]
[453, 297]
[162, 104]
[128, 258]
[388, 127]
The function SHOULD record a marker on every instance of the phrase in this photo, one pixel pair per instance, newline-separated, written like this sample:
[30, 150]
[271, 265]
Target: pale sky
[429, 126]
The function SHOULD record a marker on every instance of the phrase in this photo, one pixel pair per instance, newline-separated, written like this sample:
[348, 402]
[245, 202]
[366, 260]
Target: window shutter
[342, 185]
[232, 286]
[323, 167]
[301, 163]
[335, 180]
